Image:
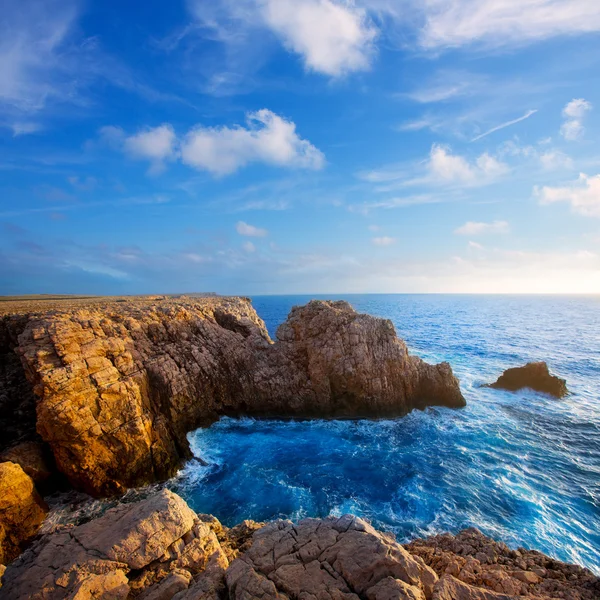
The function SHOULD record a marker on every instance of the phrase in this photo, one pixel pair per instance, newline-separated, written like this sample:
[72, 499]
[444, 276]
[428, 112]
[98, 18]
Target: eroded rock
[534, 375]
[330, 558]
[130, 549]
[478, 561]
[22, 510]
[119, 385]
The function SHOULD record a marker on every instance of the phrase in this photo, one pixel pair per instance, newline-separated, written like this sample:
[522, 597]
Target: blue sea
[522, 467]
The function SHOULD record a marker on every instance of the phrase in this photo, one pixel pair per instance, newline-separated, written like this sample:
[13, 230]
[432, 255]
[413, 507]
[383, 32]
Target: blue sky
[299, 146]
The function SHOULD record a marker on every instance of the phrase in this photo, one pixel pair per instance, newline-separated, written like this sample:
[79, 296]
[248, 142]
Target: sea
[522, 467]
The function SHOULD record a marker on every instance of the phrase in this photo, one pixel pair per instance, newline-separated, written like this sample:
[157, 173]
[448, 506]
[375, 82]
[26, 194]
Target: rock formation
[120, 384]
[158, 549]
[476, 560]
[534, 375]
[21, 510]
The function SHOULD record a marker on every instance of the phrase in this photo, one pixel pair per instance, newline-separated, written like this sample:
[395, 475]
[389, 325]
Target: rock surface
[476, 560]
[22, 511]
[33, 459]
[120, 384]
[534, 375]
[158, 549]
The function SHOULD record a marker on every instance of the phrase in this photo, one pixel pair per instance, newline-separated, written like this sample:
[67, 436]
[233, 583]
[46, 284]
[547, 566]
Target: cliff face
[119, 385]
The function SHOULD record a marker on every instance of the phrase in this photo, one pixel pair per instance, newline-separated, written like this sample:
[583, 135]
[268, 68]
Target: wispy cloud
[528, 114]
[455, 23]
[478, 228]
[383, 241]
[574, 113]
[248, 230]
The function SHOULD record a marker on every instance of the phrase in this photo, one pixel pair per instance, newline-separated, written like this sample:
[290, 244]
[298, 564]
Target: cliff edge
[118, 385]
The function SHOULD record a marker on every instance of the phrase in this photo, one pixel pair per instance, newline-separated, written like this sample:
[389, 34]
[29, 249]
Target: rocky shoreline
[98, 395]
[117, 386]
[159, 549]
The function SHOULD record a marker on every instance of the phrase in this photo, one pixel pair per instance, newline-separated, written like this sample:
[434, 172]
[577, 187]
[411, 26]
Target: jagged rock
[158, 549]
[119, 385]
[22, 510]
[449, 588]
[478, 561]
[330, 558]
[33, 459]
[534, 375]
[131, 547]
[174, 583]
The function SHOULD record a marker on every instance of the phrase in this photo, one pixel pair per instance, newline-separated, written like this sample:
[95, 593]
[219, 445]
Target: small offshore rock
[534, 375]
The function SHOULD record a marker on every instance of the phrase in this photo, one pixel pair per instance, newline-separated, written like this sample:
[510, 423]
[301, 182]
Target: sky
[299, 146]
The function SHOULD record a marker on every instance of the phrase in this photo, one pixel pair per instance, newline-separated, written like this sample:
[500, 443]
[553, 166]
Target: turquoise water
[524, 467]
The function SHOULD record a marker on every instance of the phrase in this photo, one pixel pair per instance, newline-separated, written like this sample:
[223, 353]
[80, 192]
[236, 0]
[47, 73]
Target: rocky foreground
[113, 387]
[159, 549]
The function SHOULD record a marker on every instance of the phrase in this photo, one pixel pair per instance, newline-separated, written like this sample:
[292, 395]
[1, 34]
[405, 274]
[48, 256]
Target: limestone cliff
[120, 384]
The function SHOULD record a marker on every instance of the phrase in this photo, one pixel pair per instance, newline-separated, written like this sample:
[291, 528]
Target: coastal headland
[98, 394]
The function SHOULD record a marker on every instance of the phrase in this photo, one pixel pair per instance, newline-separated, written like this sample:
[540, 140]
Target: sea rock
[120, 384]
[534, 375]
[22, 510]
[131, 549]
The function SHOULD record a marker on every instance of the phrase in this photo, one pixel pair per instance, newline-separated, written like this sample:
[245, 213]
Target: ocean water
[523, 467]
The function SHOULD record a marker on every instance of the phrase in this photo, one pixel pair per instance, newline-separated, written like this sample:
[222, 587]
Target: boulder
[148, 546]
[34, 459]
[119, 385]
[341, 558]
[534, 375]
[22, 510]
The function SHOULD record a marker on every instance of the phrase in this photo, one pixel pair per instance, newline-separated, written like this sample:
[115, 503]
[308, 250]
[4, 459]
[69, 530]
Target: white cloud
[574, 113]
[475, 246]
[583, 195]
[374, 228]
[250, 230]
[333, 37]
[383, 241]
[454, 23]
[476, 228]
[447, 167]
[154, 144]
[268, 138]
[249, 247]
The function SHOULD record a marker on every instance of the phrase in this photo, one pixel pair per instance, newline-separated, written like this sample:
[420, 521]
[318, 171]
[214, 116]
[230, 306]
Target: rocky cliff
[120, 384]
[159, 549]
